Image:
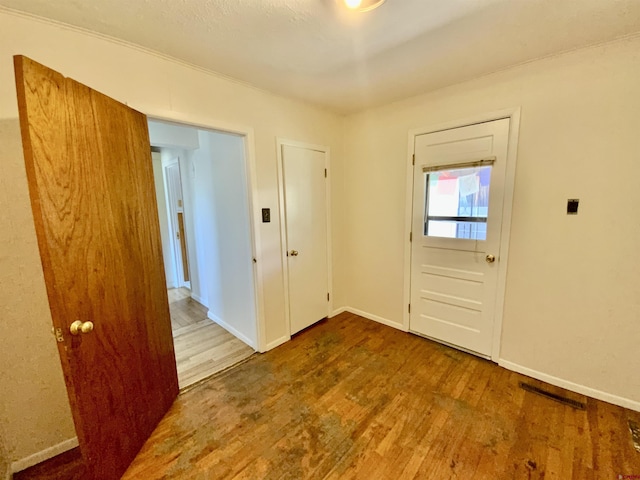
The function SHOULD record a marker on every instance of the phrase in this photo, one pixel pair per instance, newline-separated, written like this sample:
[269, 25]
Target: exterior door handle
[490, 258]
[79, 327]
[293, 253]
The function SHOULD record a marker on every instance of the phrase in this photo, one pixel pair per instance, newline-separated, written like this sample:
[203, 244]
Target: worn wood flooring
[185, 311]
[202, 347]
[350, 398]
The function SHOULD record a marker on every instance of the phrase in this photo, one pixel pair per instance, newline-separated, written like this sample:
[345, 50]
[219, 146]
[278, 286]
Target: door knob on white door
[79, 327]
[293, 253]
[490, 258]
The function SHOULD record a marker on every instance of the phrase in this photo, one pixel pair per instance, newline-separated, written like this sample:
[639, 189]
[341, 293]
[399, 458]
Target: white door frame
[248, 136]
[280, 142]
[513, 115]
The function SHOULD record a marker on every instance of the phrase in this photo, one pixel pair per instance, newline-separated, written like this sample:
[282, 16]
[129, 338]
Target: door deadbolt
[293, 253]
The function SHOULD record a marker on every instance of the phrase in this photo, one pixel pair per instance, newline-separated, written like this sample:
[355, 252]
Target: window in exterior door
[457, 203]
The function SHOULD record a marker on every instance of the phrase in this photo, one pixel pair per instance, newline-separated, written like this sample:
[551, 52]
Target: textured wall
[34, 399]
[4, 456]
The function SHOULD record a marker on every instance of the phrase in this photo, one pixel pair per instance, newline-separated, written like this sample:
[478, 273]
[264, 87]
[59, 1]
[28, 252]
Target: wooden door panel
[90, 177]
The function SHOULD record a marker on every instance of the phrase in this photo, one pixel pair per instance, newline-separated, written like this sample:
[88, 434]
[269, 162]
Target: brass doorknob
[79, 327]
[293, 253]
[490, 258]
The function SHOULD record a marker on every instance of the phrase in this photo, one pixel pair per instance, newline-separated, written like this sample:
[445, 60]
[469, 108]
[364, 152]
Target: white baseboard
[278, 342]
[232, 330]
[199, 299]
[42, 455]
[375, 318]
[337, 312]
[574, 387]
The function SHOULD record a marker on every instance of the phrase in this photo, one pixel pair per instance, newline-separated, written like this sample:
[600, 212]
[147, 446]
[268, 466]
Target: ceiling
[317, 52]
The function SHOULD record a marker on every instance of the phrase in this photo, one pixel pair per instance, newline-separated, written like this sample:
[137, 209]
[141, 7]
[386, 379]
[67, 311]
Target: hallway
[202, 347]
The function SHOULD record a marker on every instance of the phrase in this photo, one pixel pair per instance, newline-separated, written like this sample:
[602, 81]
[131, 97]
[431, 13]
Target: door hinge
[413, 161]
[58, 333]
[325, 173]
[409, 308]
[410, 237]
[328, 296]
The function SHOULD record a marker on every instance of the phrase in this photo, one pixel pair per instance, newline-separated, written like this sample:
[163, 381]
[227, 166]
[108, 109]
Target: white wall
[161, 199]
[573, 286]
[231, 282]
[170, 135]
[30, 371]
[197, 175]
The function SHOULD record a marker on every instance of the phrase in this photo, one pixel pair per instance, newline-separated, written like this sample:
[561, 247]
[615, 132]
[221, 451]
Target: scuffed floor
[350, 398]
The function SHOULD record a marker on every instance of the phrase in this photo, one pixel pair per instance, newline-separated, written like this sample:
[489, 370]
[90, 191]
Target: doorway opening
[200, 177]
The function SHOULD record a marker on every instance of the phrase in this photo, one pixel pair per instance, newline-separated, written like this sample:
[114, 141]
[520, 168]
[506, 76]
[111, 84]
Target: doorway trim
[248, 137]
[513, 114]
[281, 142]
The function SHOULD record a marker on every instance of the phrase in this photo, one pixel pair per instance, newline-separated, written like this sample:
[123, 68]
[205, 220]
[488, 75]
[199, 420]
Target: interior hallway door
[458, 190]
[88, 163]
[178, 229]
[305, 196]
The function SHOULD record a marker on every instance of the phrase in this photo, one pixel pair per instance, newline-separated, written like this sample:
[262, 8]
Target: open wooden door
[89, 168]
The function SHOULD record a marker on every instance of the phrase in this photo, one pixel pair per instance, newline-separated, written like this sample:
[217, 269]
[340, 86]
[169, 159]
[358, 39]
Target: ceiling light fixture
[361, 5]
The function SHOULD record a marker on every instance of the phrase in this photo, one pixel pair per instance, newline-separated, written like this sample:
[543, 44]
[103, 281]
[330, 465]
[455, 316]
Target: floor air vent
[558, 398]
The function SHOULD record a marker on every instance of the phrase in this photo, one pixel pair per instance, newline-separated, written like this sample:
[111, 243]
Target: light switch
[572, 206]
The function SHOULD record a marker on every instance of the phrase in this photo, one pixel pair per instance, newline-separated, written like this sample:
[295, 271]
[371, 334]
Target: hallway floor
[202, 347]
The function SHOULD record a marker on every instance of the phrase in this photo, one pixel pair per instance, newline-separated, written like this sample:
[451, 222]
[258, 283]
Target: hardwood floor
[350, 398]
[185, 311]
[202, 347]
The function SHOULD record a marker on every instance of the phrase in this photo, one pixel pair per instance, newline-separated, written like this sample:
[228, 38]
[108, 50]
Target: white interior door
[458, 192]
[178, 230]
[305, 200]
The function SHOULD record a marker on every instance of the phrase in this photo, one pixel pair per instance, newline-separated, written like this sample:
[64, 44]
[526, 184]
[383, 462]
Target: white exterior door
[458, 192]
[305, 202]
